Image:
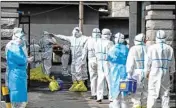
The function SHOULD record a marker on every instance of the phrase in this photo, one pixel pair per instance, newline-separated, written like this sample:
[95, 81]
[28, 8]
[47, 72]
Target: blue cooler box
[128, 85]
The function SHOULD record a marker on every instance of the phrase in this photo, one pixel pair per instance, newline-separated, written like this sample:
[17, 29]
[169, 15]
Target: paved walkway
[62, 99]
[43, 98]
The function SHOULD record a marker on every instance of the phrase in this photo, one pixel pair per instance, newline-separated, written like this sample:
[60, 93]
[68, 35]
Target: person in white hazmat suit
[79, 65]
[92, 63]
[135, 70]
[117, 56]
[101, 50]
[159, 64]
[47, 42]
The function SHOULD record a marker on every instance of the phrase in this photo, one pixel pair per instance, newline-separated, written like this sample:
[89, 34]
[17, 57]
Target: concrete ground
[66, 99]
[41, 97]
[62, 99]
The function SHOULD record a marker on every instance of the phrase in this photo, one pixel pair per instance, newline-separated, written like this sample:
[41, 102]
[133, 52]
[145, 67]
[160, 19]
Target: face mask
[118, 40]
[94, 35]
[106, 37]
[20, 42]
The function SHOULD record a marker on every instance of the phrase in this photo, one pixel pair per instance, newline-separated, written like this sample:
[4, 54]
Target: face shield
[18, 35]
[119, 38]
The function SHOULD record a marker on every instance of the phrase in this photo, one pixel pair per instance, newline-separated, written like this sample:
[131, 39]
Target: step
[9, 5]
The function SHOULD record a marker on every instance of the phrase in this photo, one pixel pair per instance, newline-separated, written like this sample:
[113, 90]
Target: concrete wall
[61, 21]
[9, 20]
[160, 17]
[132, 21]
[119, 9]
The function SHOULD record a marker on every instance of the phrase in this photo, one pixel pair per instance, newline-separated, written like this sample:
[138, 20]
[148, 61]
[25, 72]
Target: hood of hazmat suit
[76, 32]
[117, 56]
[91, 43]
[135, 68]
[160, 62]
[96, 33]
[17, 63]
[18, 32]
[160, 36]
[106, 34]
[139, 39]
[119, 38]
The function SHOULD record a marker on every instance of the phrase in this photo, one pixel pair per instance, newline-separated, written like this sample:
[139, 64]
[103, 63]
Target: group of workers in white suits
[108, 63]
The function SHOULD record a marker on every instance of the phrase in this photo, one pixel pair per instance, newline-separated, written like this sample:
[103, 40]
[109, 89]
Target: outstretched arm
[67, 38]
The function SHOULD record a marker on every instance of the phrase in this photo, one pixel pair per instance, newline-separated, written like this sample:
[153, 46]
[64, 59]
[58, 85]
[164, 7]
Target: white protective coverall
[79, 65]
[135, 70]
[101, 51]
[117, 57]
[47, 43]
[92, 62]
[159, 64]
[65, 59]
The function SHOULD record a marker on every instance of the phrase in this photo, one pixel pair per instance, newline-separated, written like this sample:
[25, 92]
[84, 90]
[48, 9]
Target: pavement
[61, 99]
[66, 99]
[39, 96]
[43, 98]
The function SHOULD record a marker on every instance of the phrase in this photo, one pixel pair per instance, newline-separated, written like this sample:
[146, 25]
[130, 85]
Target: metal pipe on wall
[29, 21]
[81, 17]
